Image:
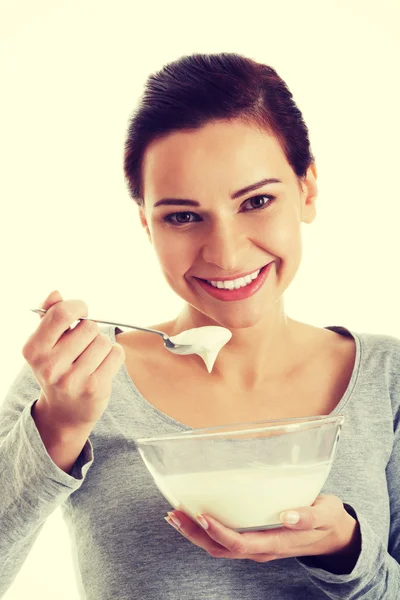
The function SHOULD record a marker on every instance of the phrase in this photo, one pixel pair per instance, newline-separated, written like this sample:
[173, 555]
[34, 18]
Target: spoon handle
[41, 311]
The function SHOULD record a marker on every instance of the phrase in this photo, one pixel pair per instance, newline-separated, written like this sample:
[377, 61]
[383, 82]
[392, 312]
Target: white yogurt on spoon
[207, 342]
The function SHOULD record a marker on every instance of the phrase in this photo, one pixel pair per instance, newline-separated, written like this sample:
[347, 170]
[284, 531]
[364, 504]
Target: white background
[71, 73]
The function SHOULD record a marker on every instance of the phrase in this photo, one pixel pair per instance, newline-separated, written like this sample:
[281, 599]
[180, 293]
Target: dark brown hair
[197, 89]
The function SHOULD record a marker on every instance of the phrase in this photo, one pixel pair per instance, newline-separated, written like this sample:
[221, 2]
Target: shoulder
[381, 350]
[377, 349]
[380, 365]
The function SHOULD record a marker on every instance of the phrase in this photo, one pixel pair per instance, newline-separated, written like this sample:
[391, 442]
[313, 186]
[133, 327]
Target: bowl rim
[294, 423]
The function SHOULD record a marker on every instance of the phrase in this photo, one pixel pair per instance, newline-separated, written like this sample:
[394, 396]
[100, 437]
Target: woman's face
[204, 227]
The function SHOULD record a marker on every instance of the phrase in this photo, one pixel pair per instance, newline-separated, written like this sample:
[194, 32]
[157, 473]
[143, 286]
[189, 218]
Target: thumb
[318, 516]
[51, 299]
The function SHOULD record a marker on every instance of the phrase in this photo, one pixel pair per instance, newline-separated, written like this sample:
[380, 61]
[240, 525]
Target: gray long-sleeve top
[114, 511]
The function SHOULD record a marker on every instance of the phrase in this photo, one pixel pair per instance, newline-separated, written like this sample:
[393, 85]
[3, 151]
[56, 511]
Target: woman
[218, 160]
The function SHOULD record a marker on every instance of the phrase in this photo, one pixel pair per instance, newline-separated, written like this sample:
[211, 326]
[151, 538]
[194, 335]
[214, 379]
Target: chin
[242, 314]
[244, 322]
[233, 319]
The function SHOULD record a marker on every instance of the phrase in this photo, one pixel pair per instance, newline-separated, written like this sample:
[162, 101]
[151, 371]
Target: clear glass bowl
[244, 475]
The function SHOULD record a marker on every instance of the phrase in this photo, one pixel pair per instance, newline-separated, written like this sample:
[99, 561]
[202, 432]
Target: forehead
[221, 154]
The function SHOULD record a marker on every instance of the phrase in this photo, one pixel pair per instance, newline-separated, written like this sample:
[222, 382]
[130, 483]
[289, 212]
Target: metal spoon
[168, 343]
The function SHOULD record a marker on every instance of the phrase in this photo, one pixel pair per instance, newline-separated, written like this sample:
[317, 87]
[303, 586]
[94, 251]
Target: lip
[232, 278]
[240, 294]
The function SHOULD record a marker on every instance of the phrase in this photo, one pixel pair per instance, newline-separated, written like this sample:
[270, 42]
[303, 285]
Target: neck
[263, 353]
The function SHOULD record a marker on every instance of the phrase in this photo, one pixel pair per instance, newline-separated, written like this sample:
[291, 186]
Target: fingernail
[201, 521]
[291, 517]
[169, 521]
[174, 519]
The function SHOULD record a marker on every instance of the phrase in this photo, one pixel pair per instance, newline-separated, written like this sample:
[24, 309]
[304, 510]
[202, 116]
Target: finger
[72, 345]
[57, 320]
[51, 299]
[195, 534]
[320, 515]
[94, 356]
[248, 543]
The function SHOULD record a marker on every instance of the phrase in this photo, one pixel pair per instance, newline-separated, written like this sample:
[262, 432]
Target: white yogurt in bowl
[246, 498]
[244, 474]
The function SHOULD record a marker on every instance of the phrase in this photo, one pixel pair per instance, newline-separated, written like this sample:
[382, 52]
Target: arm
[32, 485]
[370, 571]
[63, 447]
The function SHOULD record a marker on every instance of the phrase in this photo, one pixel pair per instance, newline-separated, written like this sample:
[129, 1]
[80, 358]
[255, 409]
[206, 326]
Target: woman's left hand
[325, 528]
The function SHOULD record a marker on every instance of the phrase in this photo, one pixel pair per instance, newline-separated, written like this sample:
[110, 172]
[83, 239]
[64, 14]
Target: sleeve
[32, 485]
[376, 575]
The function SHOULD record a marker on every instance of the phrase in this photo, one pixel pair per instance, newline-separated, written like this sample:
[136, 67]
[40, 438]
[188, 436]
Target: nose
[223, 246]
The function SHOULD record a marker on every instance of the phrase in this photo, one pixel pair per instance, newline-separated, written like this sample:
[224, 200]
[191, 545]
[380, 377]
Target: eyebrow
[237, 194]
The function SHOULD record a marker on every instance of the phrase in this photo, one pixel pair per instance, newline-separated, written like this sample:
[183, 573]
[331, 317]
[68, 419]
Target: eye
[186, 217]
[258, 202]
[181, 218]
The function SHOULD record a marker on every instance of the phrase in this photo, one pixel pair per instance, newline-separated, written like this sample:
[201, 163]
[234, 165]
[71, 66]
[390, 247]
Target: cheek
[281, 237]
[284, 235]
[288, 242]
[289, 245]
[173, 253]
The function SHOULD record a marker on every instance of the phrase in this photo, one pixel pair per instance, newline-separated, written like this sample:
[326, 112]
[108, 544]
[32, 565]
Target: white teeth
[235, 283]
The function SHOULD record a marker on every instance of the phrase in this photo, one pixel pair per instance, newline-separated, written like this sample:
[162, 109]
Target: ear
[309, 195]
[143, 221]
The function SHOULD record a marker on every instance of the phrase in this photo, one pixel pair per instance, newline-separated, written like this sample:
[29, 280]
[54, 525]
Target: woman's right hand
[74, 367]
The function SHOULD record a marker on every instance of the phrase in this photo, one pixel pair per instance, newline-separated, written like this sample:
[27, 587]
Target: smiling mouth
[234, 283]
[227, 290]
